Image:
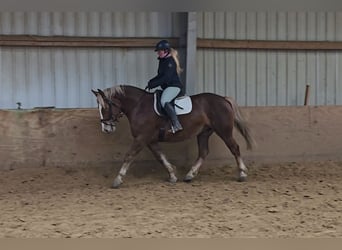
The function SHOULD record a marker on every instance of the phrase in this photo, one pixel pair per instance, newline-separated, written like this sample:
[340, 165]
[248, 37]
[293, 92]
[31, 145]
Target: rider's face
[161, 53]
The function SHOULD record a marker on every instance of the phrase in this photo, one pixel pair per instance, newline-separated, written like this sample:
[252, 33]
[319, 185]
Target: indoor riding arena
[57, 166]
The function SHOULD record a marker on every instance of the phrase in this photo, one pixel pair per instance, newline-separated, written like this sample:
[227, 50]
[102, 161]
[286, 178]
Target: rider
[168, 79]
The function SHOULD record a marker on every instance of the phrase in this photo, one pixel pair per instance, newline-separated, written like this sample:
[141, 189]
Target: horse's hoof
[187, 179]
[116, 183]
[115, 186]
[242, 179]
[173, 179]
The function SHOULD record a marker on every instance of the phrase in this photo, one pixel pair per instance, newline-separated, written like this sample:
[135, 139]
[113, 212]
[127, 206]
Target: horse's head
[110, 111]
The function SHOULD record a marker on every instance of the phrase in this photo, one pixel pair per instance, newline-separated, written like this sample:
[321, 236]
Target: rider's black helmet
[162, 45]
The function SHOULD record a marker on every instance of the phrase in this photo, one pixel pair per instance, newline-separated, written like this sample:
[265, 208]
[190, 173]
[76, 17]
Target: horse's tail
[240, 123]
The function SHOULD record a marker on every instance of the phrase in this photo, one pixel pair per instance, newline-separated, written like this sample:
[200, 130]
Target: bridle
[111, 118]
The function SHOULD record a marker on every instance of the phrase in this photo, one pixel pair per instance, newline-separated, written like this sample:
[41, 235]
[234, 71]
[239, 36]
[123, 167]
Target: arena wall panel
[72, 138]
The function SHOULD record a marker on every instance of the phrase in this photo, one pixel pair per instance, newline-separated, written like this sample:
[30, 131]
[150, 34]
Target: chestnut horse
[210, 113]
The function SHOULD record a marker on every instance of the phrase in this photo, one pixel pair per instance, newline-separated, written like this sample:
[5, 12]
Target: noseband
[112, 117]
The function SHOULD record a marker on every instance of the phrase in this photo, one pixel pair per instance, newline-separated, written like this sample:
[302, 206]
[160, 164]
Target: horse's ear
[95, 93]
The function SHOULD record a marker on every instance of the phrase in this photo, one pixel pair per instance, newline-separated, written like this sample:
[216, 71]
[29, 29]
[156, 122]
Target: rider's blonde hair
[174, 54]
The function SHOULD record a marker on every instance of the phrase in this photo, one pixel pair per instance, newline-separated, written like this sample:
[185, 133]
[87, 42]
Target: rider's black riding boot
[176, 126]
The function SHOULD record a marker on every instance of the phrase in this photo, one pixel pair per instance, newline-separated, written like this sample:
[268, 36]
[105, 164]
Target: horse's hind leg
[129, 158]
[235, 149]
[155, 149]
[203, 150]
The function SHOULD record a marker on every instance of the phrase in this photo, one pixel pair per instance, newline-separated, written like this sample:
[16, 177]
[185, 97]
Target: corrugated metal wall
[63, 77]
[259, 78]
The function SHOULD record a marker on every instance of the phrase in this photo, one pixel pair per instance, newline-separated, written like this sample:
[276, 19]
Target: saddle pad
[183, 105]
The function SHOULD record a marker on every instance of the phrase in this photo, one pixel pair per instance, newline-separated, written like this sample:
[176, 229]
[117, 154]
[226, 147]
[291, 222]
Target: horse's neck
[131, 98]
[132, 94]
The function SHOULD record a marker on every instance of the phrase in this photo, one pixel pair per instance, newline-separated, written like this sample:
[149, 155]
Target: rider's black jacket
[167, 74]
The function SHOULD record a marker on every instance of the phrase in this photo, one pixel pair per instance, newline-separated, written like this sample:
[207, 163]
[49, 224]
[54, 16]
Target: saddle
[182, 104]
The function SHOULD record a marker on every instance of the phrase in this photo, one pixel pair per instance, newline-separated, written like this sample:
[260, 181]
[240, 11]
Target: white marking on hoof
[194, 170]
[242, 177]
[117, 182]
[173, 179]
[170, 168]
[188, 178]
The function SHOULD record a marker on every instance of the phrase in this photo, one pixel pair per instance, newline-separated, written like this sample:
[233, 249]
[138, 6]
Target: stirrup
[175, 129]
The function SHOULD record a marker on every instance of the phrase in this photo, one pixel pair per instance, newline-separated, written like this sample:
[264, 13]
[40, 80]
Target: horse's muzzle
[108, 130]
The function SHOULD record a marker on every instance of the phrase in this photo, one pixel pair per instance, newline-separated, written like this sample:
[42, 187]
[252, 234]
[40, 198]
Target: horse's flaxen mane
[122, 90]
[116, 90]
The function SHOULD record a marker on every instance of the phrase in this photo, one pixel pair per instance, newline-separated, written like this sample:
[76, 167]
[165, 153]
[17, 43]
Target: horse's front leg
[155, 149]
[129, 158]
